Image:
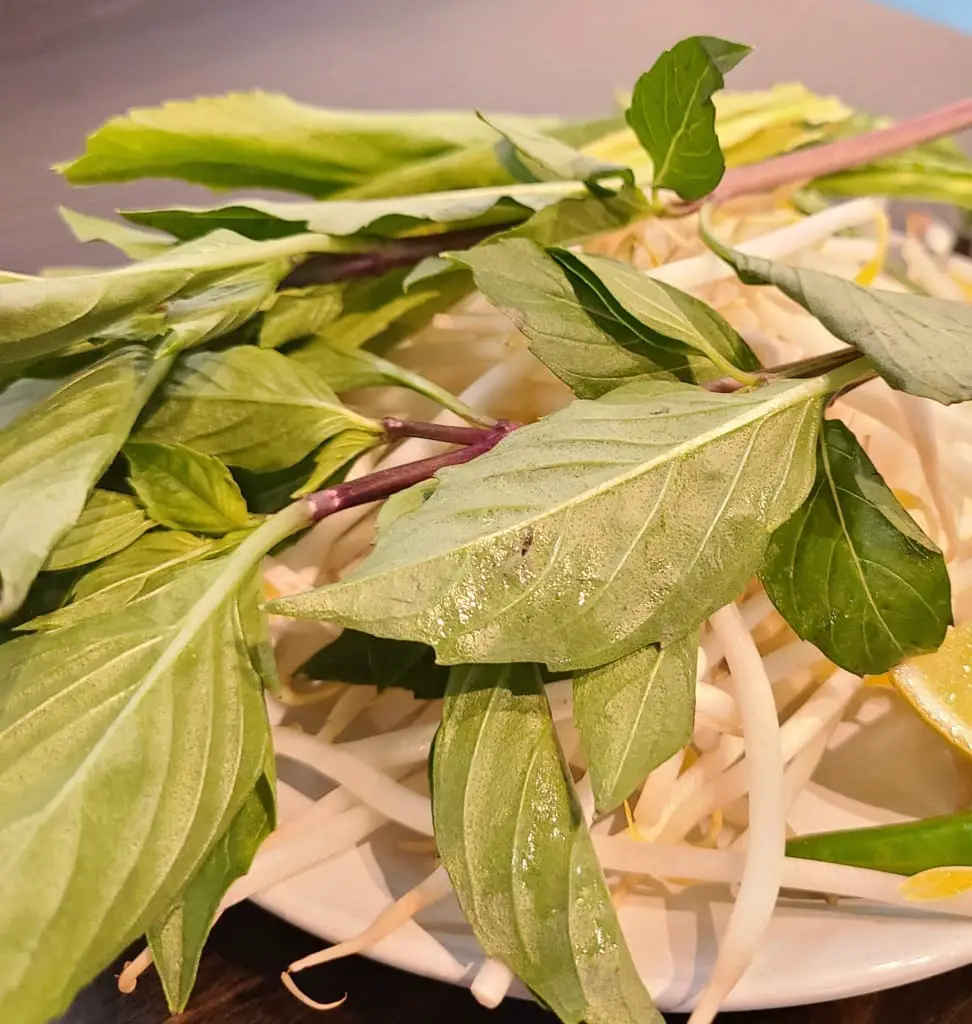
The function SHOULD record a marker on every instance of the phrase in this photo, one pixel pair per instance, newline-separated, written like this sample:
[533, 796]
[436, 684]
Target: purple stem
[387, 482]
[395, 428]
[398, 252]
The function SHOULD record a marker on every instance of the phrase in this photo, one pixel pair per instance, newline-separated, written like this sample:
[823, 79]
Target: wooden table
[239, 984]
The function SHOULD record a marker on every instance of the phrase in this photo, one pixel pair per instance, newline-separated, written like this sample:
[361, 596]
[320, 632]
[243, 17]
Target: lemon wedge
[937, 884]
[939, 686]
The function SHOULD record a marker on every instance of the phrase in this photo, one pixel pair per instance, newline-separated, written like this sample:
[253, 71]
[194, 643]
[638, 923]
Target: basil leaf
[130, 741]
[372, 661]
[52, 455]
[673, 115]
[266, 140]
[250, 407]
[108, 523]
[661, 314]
[177, 939]
[917, 344]
[512, 836]
[264, 218]
[185, 489]
[299, 312]
[346, 368]
[334, 456]
[40, 317]
[661, 490]
[633, 714]
[586, 343]
[549, 158]
[23, 394]
[131, 241]
[138, 570]
[852, 572]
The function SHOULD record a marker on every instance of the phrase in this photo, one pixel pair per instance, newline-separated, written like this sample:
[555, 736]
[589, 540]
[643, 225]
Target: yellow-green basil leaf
[108, 523]
[511, 834]
[185, 489]
[177, 939]
[635, 713]
[250, 407]
[52, 455]
[128, 742]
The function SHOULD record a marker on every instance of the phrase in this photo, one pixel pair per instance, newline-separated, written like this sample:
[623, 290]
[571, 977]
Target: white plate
[813, 952]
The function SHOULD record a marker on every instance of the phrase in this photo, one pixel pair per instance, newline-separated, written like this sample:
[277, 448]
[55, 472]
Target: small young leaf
[633, 714]
[673, 115]
[334, 456]
[177, 939]
[52, 456]
[267, 140]
[370, 660]
[133, 242]
[108, 523]
[130, 742]
[266, 218]
[661, 314]
[549, 158]
[661, 490]
[512, 836]
[917, 344]
[185, 489]
[852, 572]
[300, 312]
[250, 407]
[586, 343]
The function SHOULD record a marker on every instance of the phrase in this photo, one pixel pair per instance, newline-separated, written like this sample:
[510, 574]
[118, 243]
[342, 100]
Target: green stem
[848, 376]
[441, 396]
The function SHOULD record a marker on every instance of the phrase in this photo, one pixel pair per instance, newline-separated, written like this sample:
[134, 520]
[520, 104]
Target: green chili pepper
[903, 849]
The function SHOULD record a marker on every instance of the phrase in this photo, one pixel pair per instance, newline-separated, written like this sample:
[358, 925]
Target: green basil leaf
[661, 490]
[136, 571]
[130, 741]
[549, 158]
[673, 115]
[250, 407]
[267, 140]
[133, 242]
[512, 836]
[299, 312]
[661, 314]
[334, 456]
[852, 572]
[633, 714]
[52, 456]
[177, 939]
[108, 523]
[570, 328]
[23, 394]
[373, 661]
[41, 317]
[917, 344]
[264, 218]
[185, 489]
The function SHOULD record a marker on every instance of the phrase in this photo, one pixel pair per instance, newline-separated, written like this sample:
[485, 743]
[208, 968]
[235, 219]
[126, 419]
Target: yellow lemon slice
[936, 884]
[939, 686]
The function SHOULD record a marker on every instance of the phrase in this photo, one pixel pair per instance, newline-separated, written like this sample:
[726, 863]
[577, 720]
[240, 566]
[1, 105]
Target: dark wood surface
[239, 984]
